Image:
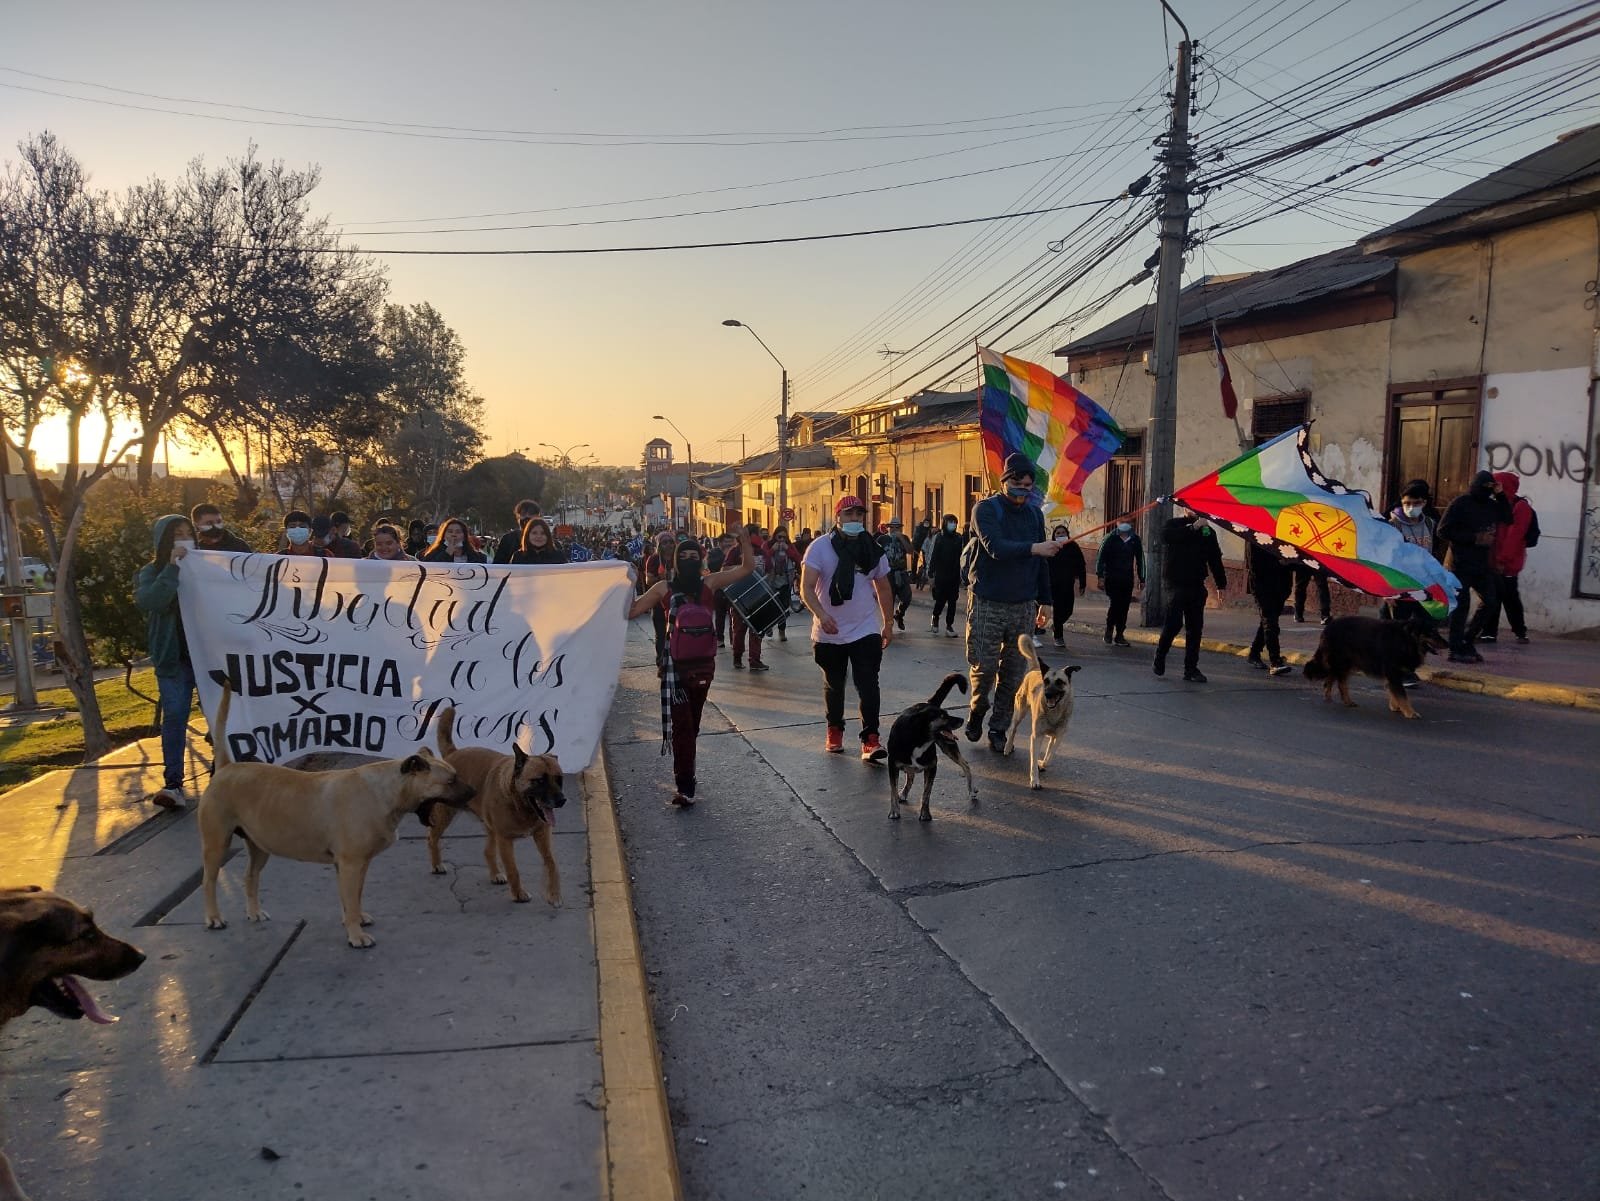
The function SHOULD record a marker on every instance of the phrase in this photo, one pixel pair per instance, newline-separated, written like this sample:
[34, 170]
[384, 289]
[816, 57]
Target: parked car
[36, 573]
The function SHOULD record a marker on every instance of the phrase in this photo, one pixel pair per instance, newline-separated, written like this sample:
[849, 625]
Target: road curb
[641, 1161]
[1510, 688]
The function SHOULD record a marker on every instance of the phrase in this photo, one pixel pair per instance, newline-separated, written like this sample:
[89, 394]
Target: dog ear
[413, 763]
[1076, 667]
[520, 756]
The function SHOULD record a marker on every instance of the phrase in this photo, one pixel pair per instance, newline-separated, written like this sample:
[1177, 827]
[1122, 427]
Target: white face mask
[1412, 511]
[185, 544]
[297, 535]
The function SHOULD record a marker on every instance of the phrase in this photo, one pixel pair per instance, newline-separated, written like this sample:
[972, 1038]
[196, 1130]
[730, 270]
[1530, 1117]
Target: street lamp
[783, 423]
[688, 471]
[563, 461]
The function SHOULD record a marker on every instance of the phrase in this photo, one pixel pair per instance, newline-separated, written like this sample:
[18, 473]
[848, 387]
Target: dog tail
[954, 680]
[1025, 645]
[1318, 667]
[219, 737]
[447, 730]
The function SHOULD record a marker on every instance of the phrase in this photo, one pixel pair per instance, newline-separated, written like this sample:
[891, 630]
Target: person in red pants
[689, 656]
[750, 550]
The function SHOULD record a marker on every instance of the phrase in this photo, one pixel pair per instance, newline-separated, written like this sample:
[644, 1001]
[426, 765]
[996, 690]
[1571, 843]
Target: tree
[492, 488]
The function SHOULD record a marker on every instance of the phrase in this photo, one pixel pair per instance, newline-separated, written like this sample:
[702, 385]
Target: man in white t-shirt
[844, 581]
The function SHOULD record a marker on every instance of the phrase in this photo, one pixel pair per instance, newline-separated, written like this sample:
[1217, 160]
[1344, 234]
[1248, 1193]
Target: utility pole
[1163, 434]
[15, 588]
[783, 451]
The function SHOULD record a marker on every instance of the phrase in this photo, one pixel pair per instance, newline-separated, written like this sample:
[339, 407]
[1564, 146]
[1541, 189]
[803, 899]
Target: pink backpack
[692, 628]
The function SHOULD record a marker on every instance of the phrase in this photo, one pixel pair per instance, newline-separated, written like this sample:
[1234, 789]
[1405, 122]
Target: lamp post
[688, 470]
[563, 461]
[783, 424]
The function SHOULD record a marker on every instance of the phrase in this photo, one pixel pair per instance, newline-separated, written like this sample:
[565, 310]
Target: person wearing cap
[211, 534]
[898, 551]
[340, 544]
[1008, 595]
[850, 622]
[1468, 529]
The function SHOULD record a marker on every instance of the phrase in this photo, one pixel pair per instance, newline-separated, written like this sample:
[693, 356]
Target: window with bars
[1274, 415]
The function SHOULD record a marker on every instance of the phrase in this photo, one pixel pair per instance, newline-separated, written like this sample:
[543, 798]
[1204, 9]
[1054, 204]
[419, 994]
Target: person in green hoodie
[155, 592]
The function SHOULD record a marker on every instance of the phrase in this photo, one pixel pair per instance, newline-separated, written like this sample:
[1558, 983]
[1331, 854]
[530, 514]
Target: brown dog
[346, 818]
[46, 943]
[515, 794]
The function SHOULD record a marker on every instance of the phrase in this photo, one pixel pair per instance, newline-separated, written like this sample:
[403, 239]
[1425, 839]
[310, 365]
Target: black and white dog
[916, 740]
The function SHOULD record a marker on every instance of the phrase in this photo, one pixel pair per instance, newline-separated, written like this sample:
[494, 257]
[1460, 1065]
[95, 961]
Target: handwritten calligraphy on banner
[362, 655]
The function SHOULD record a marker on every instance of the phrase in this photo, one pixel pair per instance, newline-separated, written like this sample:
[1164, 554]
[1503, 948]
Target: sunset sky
[434, 117]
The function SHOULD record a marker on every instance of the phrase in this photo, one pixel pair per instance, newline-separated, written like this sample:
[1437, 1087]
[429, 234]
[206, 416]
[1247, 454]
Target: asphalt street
[1243, 945]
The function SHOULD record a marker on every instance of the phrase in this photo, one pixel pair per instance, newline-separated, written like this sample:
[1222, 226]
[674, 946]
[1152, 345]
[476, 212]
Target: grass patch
[32, 748]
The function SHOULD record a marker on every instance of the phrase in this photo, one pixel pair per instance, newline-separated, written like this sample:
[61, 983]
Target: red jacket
[1510, 552]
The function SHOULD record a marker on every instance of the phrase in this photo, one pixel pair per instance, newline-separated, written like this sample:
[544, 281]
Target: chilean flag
[1230, 399]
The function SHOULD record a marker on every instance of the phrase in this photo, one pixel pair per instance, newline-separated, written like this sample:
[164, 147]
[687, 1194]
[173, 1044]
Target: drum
[757, 603]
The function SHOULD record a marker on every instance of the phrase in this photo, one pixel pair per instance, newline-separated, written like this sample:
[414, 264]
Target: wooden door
[1434, 437]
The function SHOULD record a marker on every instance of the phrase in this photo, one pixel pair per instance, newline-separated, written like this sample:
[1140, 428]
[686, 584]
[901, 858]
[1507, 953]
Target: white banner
[362, 655]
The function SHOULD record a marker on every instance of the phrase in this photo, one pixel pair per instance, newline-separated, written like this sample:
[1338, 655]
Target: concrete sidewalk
[1555, 671]
[482, 1049]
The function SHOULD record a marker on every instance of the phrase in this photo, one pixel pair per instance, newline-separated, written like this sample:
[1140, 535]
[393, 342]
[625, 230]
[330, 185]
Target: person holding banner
[453, 545]
[155, 593]
[387, 543]
[689, 658]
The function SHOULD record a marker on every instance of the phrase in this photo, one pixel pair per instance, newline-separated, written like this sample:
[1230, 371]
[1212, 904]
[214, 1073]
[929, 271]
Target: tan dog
[1046, 694]
[46, 943]
[345, 818]
[515, 794]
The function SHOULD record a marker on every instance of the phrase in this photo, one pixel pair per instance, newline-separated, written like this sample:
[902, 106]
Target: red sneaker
[872, 750]
[835, 743]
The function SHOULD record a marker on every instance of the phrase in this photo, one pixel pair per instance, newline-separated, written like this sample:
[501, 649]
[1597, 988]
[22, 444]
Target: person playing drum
[751, 551]
[689, 661]
[783, 575]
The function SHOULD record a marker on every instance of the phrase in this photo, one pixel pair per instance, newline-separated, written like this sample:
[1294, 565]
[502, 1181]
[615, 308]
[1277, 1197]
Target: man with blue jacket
[1008, 595]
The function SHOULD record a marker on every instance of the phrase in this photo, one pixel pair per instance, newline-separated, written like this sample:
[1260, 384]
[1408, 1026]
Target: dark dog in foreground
[916, 740]
[1389, 650]
[46, 943]
[514, 795]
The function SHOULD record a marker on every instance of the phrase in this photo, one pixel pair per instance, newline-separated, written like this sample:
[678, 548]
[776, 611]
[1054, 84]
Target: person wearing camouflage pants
[1008, 595]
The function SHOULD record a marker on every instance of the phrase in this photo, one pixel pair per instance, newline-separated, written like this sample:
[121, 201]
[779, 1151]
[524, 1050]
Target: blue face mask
[852, 528]
[1018, 492]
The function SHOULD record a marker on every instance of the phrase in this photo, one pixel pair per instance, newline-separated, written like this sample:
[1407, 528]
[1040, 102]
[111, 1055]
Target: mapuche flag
[1024, 409]
[1275, 495]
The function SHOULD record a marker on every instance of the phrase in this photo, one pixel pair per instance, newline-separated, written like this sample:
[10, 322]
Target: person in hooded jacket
[155, 594]
[1120, 561]
[1271, 579]
[1067, 571]
[1507, 558]
[944, 573]
[686, 677]
[210, 533]
[1468, 530]
[1412, 519]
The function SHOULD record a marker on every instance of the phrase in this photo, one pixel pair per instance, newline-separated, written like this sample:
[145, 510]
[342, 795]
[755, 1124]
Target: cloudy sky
[601, 124]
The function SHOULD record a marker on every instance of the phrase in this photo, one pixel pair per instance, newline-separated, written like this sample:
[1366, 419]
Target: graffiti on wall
[1586, 581]
[1536, 458]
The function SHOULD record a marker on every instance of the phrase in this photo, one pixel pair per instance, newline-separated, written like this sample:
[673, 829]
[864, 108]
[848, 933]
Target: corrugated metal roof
[1233, 298]
[1574, 158]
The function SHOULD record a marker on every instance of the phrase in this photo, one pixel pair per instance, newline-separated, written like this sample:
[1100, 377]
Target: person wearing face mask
[783, 573]
[388, 544]
[1117, 566]
[416, 537]
[1008, 595]
[844, 582]
[761, 562]
[1468, 530]
[1411, 517]
[298, 536]
[1192, 551]
[1507, 558]
[453, 545]
[340, 544]
[211, 534]
[538, 544]
[657, 567]
[689, 661]
[944, 573]
[155, 594]
[1067, 571]
[898, 550]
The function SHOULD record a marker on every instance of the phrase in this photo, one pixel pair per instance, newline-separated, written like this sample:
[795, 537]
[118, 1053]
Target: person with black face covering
[944, 571]
[689, 657]
[1192, 551]
[1468, 530]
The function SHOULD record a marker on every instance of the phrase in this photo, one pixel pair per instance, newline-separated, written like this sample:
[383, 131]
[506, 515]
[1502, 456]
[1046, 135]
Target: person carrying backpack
[1507, 557]
[689, 657]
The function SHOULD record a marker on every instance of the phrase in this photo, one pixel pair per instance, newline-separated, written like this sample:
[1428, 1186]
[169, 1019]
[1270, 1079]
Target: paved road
[1244, 945]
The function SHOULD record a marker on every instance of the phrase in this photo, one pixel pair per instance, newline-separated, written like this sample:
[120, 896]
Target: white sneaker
[170, 798]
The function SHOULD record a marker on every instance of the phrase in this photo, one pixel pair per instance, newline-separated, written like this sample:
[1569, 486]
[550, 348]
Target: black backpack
[1531, 538]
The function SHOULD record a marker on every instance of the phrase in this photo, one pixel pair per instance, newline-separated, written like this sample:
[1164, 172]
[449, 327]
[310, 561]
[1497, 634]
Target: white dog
[1046, 693]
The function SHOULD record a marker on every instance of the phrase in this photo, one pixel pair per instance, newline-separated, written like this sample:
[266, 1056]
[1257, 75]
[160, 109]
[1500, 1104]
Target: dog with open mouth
[916, 740]
[514, 795]
[1045, 694]
[46, 943]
